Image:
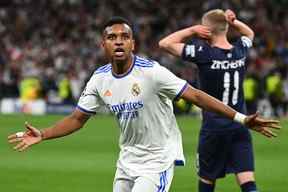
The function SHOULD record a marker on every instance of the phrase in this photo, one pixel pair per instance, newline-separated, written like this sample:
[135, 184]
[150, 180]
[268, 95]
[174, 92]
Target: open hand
[230, 16]
[25, 139]
[261, 125]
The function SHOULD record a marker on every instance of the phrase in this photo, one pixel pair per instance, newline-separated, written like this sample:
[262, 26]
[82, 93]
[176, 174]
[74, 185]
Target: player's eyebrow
[122, 33]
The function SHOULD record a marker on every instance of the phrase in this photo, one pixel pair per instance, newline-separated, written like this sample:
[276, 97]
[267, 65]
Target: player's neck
[122, 67]
[221, 41]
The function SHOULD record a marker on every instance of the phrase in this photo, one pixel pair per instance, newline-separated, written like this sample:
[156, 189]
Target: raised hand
[25, 139]
[230, 16]
[261, 125]
[202, 31]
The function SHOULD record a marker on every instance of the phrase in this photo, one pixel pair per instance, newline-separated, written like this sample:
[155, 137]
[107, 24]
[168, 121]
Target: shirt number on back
[227, 84]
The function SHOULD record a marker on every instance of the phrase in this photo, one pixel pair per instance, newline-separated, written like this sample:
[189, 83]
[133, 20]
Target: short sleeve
[244, 43]
[167, 83]
[90, 102]
[195, 51]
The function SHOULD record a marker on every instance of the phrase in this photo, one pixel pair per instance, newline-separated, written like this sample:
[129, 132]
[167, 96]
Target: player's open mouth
[119, 52]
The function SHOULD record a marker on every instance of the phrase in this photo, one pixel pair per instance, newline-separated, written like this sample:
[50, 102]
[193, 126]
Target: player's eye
[125, 36]
[111, 37]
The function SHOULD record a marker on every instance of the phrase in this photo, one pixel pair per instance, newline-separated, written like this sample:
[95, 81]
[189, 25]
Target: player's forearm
[174, 42]
[64, 127]
[243, 29]
[176, 37]
[208, 103]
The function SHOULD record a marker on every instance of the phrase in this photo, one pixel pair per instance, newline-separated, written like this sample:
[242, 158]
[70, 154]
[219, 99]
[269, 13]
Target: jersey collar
[126, 73]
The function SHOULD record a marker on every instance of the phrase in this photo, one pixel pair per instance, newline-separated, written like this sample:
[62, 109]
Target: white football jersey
[150, 140]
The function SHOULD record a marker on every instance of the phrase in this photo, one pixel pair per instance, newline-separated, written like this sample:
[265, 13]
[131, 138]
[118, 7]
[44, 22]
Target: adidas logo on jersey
[108, 93]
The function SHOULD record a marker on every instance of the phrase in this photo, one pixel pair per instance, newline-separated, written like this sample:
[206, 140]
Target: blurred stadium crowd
[50, 48]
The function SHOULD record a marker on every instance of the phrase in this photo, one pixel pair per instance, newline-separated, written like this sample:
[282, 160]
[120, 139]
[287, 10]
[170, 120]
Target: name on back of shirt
[226, 64]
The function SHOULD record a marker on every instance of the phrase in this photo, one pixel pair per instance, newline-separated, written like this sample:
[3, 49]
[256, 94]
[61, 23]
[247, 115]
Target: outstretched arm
[66, 126]
[239, 25]
[207, 102]
[174, 43]
[212, 104]
[33, 135]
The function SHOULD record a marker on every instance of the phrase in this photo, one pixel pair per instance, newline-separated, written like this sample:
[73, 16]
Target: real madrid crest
[135, 89]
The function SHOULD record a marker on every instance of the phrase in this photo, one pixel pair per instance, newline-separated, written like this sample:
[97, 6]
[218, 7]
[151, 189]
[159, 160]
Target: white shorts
[151, 182]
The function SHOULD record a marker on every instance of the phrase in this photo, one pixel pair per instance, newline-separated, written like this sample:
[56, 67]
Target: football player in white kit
[139, 92]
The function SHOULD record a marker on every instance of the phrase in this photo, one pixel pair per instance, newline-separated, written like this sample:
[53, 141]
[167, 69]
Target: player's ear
[103, 39]
[133, 44]
[102, 43]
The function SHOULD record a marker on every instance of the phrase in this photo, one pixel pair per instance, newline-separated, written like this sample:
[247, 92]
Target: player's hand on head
[230, 16]
[202, 31]
[263, 126]
[23, 140]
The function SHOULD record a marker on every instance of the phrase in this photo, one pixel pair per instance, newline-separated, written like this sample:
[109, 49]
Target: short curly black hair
[116, 20]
